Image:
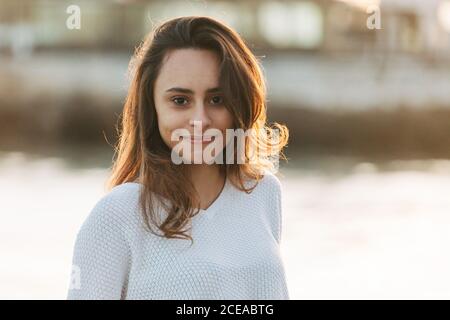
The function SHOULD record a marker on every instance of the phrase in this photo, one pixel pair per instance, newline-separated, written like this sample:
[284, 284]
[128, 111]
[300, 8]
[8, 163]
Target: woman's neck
[208, 181]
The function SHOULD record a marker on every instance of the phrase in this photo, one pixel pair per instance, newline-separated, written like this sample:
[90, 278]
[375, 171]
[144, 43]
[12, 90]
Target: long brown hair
[140, 152]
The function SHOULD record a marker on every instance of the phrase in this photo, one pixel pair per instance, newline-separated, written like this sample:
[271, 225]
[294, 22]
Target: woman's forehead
[192, 69]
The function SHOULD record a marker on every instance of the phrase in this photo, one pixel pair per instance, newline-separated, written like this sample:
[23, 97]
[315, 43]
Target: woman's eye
[217, 100]
[177, 100]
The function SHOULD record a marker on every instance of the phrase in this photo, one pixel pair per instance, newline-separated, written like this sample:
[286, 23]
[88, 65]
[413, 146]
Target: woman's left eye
[218, 102]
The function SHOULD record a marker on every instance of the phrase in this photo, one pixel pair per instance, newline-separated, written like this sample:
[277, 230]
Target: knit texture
[235, 255]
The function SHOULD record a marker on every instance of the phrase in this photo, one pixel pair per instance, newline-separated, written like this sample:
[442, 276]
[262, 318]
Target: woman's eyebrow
[189, 91]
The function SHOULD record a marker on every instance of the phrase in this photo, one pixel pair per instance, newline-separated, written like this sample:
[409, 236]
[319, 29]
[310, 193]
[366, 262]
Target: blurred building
[316, 54]
[414, 26]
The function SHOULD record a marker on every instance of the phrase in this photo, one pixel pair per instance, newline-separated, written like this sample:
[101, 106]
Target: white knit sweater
[235, 255]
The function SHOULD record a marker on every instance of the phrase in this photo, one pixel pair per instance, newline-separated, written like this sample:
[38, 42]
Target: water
[369, 234]
[350, 229]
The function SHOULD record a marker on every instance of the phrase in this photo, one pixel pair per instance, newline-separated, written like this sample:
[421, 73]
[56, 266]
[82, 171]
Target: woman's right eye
[177, 100]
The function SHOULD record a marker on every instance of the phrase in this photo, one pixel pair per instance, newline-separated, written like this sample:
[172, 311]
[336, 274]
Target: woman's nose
[200, 116]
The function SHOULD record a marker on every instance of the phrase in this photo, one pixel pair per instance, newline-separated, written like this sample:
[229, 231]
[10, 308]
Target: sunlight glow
[443, 14]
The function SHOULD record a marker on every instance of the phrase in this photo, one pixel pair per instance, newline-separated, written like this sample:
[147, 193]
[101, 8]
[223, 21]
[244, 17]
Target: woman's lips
[199, 139]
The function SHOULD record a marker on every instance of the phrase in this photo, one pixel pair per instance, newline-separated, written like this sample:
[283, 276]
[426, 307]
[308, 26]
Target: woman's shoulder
[267, 188]
[122, 196]
[270, 182]
[116, 207]
[272, 178]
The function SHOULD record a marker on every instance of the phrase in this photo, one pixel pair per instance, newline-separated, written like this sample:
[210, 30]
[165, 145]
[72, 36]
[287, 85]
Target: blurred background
[364, 87]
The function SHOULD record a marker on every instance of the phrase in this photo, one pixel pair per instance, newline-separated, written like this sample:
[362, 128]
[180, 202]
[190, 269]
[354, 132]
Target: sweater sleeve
[279, 215]
[274, 199]
[101, 256]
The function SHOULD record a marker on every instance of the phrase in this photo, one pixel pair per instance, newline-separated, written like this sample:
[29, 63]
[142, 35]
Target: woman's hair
[140, 152]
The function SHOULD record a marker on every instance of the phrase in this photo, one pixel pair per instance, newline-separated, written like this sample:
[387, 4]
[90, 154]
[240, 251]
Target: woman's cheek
[166, 136]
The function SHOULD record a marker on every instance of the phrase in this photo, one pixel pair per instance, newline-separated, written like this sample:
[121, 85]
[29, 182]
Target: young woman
[189, 71]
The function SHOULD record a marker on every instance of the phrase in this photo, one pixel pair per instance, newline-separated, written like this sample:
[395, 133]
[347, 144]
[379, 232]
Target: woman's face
[187, 90]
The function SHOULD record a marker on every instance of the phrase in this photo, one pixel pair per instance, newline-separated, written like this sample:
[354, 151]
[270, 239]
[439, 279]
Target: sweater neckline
[213, 206]
[218, 201]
